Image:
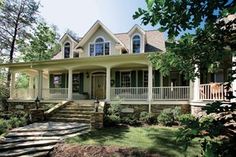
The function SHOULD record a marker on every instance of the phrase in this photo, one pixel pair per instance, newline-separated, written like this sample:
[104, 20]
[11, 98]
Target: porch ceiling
[112, 61]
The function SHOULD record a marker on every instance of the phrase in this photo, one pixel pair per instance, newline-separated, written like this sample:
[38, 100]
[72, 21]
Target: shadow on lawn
[165, 142]
[102, 135]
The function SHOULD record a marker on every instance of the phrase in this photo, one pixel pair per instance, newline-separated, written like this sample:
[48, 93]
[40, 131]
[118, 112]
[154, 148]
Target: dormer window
[100, 47]
[67, 50]
[136, 43]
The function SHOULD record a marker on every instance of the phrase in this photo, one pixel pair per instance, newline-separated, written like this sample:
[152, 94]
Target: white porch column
[40, 84]
[70, 92]
[149, 87]
[196, 87]
[234, 82]
[108, 83]
[12, 85]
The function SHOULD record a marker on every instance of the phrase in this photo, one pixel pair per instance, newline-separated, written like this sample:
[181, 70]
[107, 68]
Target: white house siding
[100, 32]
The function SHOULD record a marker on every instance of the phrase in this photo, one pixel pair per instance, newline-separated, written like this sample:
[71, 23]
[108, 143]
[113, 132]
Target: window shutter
[51, 81]
[140, 78]
[81, 83]
[157, 78]
[63, 80]
[133, 78]
[117, 79]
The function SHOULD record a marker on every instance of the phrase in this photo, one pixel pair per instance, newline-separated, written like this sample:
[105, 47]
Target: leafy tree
[42, 45]
[212, 37]
[17, 17]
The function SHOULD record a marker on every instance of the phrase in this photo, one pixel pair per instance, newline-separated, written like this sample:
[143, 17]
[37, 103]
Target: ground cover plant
[152, 139]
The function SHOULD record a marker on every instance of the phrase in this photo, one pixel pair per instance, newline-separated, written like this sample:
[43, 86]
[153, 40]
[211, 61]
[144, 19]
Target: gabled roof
[66, 35]
[134, 28]
[93, 29]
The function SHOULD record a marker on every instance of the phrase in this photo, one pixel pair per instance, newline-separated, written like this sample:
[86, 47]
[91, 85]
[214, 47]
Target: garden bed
[150, 140]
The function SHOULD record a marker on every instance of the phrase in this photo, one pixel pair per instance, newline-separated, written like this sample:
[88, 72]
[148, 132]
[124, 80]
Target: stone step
[63, 119]
[80, 105]
[50, 127]
[78, 109]
[39, 154]
[46, 133]
[25, 151]
[25, 139]
[74, 112]
[83, 116]
[26, 144]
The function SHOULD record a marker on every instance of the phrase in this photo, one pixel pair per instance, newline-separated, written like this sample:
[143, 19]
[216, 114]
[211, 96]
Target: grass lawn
[154, 138]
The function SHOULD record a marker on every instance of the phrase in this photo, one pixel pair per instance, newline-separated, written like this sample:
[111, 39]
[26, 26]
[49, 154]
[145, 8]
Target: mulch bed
[76, 150]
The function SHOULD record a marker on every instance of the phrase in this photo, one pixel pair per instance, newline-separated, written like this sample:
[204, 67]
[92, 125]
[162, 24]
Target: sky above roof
[80, 15]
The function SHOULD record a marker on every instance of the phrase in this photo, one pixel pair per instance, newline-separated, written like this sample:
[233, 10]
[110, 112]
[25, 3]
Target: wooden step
[74, 112]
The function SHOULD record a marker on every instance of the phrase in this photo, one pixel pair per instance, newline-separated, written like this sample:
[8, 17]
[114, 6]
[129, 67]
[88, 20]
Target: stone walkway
[38, 139]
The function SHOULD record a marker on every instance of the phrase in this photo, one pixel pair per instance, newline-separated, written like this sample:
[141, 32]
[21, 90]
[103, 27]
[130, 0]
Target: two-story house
[109, 66]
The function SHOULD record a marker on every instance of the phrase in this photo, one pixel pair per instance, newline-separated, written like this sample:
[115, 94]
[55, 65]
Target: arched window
[99, 47]
[67, 50]
[136, 42]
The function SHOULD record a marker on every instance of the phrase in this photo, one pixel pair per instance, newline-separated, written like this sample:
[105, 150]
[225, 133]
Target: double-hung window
[125, 79]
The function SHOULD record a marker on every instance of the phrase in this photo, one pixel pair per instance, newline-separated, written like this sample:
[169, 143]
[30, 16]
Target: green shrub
[148, 118]
[13, 122]
[112, 114]
[130, 120]
[188, 120]
[3, 126]
[169, 116]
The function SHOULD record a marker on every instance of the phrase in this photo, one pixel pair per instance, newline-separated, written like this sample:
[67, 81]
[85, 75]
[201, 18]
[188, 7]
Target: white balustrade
[55, 93]
[171, 93]
[129, 93]
[212, 91]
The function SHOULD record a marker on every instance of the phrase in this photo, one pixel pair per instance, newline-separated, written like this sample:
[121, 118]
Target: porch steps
[37, 139]
[74, 112]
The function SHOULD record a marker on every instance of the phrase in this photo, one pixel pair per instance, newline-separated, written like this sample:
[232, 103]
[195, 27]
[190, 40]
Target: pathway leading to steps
[38, 139]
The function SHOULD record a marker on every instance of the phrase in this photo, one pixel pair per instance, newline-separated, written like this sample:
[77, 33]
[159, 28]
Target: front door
[99, 85]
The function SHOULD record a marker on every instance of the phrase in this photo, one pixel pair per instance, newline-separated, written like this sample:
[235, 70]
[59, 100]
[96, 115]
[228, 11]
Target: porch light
[37, 103]
[96, 104]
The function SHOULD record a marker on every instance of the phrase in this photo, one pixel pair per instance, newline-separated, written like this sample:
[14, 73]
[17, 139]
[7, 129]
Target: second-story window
[99, 47]
[136, 42]
[67, 50]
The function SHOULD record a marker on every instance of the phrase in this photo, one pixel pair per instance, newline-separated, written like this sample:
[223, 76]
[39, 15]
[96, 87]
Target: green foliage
[212, 38]
[217, 107]
[42, 44]
[148, 118]
[185, 15]
[3, 126]
[188, 120]
[130, 119]
[169, 116]
[112, 114]
[22, 81]
[17, 20]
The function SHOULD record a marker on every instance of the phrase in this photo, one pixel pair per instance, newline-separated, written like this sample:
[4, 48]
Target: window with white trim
[99, 47]
[145, 78]
[136, 44]
[67, 50]
[125, 79]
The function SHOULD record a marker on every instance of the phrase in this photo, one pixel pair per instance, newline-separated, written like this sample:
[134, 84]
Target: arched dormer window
[67, 50]
[136, 43]
[100, 47]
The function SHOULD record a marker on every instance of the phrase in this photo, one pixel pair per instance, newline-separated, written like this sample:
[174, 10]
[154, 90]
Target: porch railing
[24, 93]
[129, 93]
[171, 93]
[55, 93]
[212, 91]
